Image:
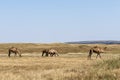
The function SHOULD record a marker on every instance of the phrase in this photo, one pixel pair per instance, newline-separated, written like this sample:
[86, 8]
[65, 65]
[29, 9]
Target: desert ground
[71, 64]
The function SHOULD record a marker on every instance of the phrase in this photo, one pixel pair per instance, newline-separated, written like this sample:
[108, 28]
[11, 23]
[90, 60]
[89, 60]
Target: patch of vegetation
[104, 70]
[109, 64]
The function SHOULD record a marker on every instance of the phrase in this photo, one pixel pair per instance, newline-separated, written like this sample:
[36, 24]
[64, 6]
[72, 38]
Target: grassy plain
[72, 64]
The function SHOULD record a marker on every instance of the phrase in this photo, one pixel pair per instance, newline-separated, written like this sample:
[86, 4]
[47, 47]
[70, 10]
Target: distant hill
[95, 42]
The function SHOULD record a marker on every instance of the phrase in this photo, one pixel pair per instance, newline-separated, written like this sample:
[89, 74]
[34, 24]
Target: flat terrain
[70, 65]
[64, 67]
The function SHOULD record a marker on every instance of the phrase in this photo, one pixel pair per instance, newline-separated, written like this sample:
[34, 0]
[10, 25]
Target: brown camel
[50, 52]
[45, 51]
[53, 52]
[14, 50]
[96, 50]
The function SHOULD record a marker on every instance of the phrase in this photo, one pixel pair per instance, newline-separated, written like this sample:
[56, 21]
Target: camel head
[103, 50]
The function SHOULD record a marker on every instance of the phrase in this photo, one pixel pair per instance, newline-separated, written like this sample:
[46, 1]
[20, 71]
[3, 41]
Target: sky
[49, 21]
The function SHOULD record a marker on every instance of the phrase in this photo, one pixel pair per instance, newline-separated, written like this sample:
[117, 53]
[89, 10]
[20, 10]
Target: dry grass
[69, 66]
[65, 67]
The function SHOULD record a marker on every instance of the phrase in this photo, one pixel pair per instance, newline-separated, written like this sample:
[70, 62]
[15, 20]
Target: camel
[53, 52]
[50, 52]
[15, 51]
[45, 51]
[96, 50]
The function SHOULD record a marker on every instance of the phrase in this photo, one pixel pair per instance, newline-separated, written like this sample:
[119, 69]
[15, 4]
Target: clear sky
[44, 21]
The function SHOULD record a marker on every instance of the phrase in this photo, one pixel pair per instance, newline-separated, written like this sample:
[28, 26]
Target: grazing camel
[45, 51]
[53, 52]
[14, 50]
[96, 50]
[50, 52]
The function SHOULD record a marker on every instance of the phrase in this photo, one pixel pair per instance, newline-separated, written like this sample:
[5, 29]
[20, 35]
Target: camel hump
[95, 47]
[13, 48]
[52, 50]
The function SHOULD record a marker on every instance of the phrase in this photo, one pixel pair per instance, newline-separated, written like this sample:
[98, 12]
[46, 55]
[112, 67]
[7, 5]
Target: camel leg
[51, 54]
[9, 53]
[99, 55]
[47, 54]
[15, 54]
[56, 54]
[43, 54]
[19, 54]
[90, 54]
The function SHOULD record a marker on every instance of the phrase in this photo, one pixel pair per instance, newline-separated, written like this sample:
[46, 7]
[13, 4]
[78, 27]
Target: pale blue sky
[44, 21]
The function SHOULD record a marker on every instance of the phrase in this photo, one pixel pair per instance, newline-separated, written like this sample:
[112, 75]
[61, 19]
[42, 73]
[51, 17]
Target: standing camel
[53, 52]
[96, 50]
[46, 52]
[50, 52]
[14, 50]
